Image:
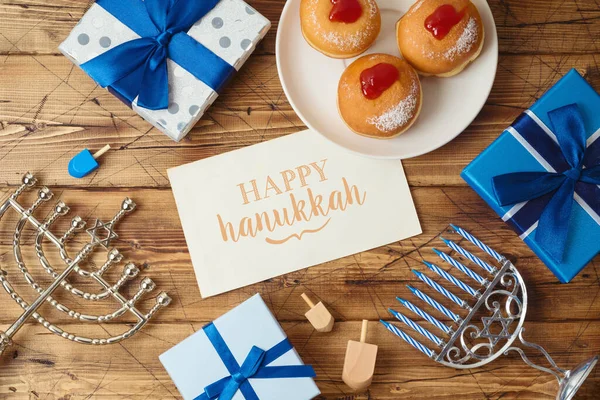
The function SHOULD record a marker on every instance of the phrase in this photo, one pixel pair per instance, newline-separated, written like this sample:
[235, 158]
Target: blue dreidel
[85, 162]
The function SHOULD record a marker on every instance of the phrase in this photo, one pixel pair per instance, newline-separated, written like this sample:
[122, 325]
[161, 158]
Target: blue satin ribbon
[139, 67]
[552, 193]
[255, 366]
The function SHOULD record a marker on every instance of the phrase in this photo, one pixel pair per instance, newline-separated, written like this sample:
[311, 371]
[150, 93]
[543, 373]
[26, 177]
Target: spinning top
[85, 162]
[359, 364]
[320, 318]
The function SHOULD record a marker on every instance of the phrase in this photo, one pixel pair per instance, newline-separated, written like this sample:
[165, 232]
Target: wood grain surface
[50, 110]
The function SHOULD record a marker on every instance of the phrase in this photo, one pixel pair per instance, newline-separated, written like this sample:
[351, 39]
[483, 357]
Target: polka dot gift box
[160, 59]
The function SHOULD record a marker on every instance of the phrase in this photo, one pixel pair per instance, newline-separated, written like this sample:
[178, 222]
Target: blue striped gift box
[535, 149]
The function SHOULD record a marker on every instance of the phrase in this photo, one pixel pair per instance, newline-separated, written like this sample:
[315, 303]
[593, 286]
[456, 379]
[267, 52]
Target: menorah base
[4, 342]
[574, 379]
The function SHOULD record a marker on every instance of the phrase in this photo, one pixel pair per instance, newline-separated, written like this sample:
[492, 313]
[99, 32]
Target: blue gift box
[512, 152]
[242, 355]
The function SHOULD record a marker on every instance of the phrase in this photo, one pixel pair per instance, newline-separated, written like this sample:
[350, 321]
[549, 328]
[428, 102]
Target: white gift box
[231, 30]
[194, 363]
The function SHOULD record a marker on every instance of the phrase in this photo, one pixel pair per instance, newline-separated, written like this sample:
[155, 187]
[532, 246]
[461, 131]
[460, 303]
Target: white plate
[310, 82]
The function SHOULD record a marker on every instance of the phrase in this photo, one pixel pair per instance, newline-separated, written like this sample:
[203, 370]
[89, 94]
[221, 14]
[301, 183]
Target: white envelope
[194, 364]
[286, 204]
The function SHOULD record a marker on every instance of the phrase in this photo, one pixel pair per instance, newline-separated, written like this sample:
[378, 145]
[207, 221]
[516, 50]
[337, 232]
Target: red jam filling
[346, 11]
[375, 80]
[442, 20]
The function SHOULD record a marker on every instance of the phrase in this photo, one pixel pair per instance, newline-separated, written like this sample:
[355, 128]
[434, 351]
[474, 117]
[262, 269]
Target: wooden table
[50, 110]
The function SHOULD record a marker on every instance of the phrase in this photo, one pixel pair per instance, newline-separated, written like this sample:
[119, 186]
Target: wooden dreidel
[320, 318]
[359, 364]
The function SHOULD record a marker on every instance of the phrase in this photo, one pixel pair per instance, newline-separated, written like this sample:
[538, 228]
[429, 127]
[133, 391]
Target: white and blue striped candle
[469, 256]
[433, 303]
[417, 328]
[450, 278]
[414, 343]
[426, 316]
[440, 289]
[461, 267]
[477, 242]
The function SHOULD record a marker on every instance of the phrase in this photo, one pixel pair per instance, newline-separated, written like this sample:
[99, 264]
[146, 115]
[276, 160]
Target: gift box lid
[509, 153]
[194, 363]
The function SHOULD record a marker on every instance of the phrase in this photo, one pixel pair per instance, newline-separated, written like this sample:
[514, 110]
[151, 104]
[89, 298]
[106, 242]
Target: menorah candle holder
[495, 314]
[101, 234]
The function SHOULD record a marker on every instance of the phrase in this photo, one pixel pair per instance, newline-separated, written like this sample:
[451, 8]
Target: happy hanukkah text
[303, 205]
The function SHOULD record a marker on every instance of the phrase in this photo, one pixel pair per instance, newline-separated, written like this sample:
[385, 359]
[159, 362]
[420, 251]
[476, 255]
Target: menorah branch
[18, 324]
[101, 236]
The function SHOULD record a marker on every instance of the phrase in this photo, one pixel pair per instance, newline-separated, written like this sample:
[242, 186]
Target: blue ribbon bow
[139, 67]
[255, 366]
[560, 186]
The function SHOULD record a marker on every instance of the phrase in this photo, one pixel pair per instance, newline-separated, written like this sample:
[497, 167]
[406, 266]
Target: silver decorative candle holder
[101, 234]
[495, 313]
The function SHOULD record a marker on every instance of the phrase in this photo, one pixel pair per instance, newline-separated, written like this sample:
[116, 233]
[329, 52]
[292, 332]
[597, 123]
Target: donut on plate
[440, 37]
[379, 96]
[340, 28]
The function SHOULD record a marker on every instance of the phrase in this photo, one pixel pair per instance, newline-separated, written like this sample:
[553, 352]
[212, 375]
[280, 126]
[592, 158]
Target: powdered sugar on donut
[345, 41]
[398, 115]
[465, 42]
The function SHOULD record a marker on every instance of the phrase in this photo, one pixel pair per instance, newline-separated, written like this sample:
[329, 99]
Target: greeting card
[286, 204]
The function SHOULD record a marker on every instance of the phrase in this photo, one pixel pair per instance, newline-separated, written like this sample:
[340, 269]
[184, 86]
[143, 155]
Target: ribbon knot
[255, 366]
[164, 38]
[573, 173]
[138, 68]
[559, 187]
[239, 377]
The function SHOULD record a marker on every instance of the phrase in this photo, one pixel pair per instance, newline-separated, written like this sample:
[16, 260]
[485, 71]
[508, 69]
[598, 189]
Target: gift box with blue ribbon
[243, 354]
[542, 176]
[167, 59]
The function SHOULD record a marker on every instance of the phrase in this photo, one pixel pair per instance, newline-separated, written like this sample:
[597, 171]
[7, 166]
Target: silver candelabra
[491, 319]
[101, 235]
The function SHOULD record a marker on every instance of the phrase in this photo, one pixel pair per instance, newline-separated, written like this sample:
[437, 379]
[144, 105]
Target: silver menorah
[500, 303]
[102, 234]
